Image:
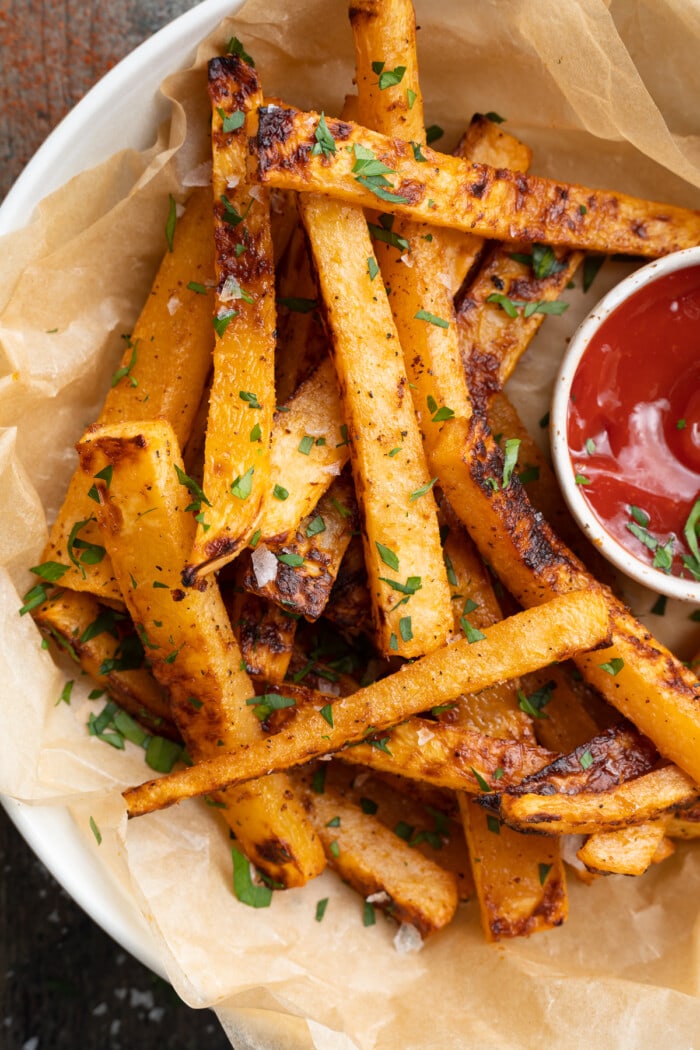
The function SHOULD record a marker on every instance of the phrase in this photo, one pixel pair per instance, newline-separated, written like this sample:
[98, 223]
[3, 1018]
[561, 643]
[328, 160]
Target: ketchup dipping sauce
[633, 426]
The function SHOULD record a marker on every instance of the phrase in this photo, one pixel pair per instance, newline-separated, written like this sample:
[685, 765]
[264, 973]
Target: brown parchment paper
[606, 94]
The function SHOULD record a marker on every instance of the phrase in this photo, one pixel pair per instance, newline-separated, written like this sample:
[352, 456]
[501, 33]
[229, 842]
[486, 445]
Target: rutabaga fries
[309, 450]
[522, 643]
[638, 675]
[406, 574]
[237, 451]
[520, 879]
[635, 802]
[171, 340]
[447, 191]
[449, 756]
[301, 337]
[487, 142]
[561, 721]
[187, 634]
[265, 634]
[389, 95]
[299, 572]
[380, 865]
[493, 318]
[629, 851]
[94, 637]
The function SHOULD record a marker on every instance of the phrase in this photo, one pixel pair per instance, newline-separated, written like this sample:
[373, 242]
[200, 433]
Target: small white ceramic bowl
[610, 548]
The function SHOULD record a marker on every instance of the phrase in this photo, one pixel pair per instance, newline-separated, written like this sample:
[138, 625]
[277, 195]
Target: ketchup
[634, 421]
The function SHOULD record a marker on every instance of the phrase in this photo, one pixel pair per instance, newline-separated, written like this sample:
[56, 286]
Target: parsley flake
[325, 143]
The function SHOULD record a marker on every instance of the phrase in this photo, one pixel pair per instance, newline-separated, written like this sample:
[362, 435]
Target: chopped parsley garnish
[384, 233]
[191, 484]
[480, 780]
[325, 143]
[614, 666]
[195, 286]
[451, 577]
[233, 121]
[251, 399]
[51, 571]
[280, 493]
[433, 133]
[372, 267]
[104, 623]
[223, 320]
[368, 916]
[586, 760]
[295, 561]
[541, 306]
[544, 870]
[510, 459]
[405, 629]
[65, 693]
[581, 479]
[96, 831]
[388, 556]
[368, 805]
[659, 606]
[235, 47]
[92, 553]
[495, 118]
[321, 908]
[306, 444]
[264, 705]
[231, 215]
[256, 433]
[544, 421]
[472, 634]
[411, 96]
[170, 224]
[125, 370]
[493, 824]
[418, 153]
[388, 77]
[318, 782]
[104, 475]
[590, 446]
[543, 262]
[243, 484]
[425, 315]
[371, 173]
[327, 712]
[412, 584]
[244, 888]
[532, 705]
[334, 848]
[690, 532]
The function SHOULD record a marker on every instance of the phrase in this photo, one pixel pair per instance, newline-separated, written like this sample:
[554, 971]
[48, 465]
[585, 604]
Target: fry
[522, 643]
[142, 386]
[447, 191]
[187, 634]
[237, 450]
[391, 477]
[265, 634]
[321, 541]
[375, 861]
[629, 851]
[301, 339]
[635, 802]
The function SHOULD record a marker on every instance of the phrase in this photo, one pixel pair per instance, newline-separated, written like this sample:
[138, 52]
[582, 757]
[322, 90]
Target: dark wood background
[63, 982]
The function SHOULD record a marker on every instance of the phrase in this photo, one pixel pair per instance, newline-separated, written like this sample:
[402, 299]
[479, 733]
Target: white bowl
[610, 548]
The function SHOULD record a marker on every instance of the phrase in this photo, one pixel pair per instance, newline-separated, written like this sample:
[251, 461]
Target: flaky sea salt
[380, 897]
[199, 176]
[424, 735]
[174, 305]
[407, 939]
[265, 565]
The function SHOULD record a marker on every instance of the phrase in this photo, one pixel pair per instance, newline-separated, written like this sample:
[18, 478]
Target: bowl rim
[597, 534]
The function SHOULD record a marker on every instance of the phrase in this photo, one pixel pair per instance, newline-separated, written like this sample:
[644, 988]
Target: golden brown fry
[427, 826]
[265, 633]
[321, 540]
[349, 602]
[449, 756]
[635, 802]
[522, 643]
[629, 851]
[301, 337]
[685, 824]
[187, 635]
[93, 635]
[309, 450]
[237, 450]
[638, 675]
[406, 574]
[172, 337]
[487, 142]
[375, 861]
[520, 879]
[565, 722]
[492, 341]
[385, 31]
[447, 191]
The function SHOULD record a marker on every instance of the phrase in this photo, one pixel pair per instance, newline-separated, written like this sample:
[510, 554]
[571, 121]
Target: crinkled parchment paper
[606, 94]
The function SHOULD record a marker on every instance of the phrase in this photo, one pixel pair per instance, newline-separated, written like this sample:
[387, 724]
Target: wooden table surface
[63, 982]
